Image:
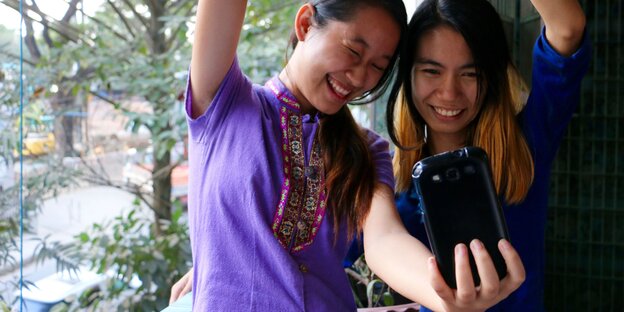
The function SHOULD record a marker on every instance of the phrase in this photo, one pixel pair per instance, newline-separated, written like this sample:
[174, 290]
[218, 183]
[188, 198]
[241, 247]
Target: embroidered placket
[303, 202]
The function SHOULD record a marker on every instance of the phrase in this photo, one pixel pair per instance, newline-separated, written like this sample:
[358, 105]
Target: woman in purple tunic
[282, 177]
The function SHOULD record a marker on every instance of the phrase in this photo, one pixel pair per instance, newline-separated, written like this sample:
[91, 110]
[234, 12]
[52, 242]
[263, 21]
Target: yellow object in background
[37, 144]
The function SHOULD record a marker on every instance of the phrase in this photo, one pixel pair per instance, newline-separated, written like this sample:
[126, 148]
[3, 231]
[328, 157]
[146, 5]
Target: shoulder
[376, 143]
[379, 149]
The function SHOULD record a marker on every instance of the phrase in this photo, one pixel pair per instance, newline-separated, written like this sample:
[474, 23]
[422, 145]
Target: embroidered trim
[303, 201]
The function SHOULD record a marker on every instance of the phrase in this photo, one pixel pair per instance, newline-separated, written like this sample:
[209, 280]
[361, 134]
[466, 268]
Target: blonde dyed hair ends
[518, 88]
[496, 131]
[411, 136]
[499, 134]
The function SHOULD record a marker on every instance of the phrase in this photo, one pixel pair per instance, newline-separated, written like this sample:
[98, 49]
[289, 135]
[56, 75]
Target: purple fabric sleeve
[380, 152]
[233, 91]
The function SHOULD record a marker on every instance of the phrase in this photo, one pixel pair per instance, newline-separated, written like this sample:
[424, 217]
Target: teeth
[341, 91]
[447, 113]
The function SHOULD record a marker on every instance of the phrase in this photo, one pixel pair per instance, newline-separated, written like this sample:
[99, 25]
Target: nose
[357, 76]
[449, 89]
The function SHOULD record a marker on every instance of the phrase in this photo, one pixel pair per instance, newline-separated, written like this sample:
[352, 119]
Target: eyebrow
[363, 42]
[434, 63]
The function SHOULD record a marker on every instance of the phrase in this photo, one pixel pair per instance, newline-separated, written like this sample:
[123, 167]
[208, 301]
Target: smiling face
[340, 61]
[444, 85]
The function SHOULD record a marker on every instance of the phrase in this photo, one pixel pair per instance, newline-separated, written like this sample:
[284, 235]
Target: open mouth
[447, 112]
[338, 89]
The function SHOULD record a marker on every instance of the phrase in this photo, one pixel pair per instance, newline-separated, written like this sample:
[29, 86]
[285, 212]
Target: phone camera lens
[452, 174]
[436, 178]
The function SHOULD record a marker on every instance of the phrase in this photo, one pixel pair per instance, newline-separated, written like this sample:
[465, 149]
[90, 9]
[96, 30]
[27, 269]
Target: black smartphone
[460, 203]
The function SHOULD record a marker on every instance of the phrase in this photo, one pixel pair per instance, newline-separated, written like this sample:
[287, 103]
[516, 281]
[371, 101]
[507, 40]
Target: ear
[304, 21]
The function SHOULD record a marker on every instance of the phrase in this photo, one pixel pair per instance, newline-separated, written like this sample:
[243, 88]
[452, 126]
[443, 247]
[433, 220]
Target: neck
[440, 143]
[290, 83]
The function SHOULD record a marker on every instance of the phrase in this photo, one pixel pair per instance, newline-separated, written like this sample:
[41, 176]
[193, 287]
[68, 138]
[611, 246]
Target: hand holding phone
[460, 203]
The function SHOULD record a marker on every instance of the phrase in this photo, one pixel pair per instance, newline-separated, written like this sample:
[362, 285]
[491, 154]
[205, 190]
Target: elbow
[572, 33]
[567, 39]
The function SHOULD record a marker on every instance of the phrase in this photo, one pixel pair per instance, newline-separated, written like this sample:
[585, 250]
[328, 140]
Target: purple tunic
[242, 258]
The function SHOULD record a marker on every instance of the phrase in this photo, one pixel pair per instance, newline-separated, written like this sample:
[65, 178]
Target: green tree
[136, 47]
[54, 34]
[37, 188]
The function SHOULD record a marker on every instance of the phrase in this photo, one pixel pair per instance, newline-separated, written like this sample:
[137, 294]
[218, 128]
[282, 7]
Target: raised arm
[409, 268]
[217, 31]
[565, 23]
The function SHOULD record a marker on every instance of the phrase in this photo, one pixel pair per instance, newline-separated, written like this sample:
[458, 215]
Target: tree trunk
[162, 184]
[63, 102]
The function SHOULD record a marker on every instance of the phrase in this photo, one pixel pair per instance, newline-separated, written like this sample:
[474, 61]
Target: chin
[331, 110]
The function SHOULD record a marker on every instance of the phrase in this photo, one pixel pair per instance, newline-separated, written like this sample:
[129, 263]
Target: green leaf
[388, 298]
[84, 237]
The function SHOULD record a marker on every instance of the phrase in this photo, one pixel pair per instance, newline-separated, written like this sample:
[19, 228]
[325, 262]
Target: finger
[187, 289]
[175, 293]
[515, 269]
[181, 287]
[437, 281]
[465, 285]
[489, 278]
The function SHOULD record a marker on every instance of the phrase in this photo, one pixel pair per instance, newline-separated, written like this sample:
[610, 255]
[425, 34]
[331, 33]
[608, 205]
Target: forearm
[397, 257]
[401, 261]
[564, 21]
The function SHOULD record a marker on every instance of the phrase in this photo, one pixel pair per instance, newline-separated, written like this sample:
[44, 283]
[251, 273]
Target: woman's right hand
[182, 287]
[467, 297]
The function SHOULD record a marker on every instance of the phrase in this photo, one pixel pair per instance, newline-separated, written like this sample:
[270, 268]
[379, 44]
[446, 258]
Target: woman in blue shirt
[454, 90]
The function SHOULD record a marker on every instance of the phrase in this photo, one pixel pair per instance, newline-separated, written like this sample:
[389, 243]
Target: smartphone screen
[459, 202]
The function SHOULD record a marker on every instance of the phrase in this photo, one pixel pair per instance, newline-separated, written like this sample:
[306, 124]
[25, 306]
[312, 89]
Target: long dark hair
[495, 128]
[350, 170]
